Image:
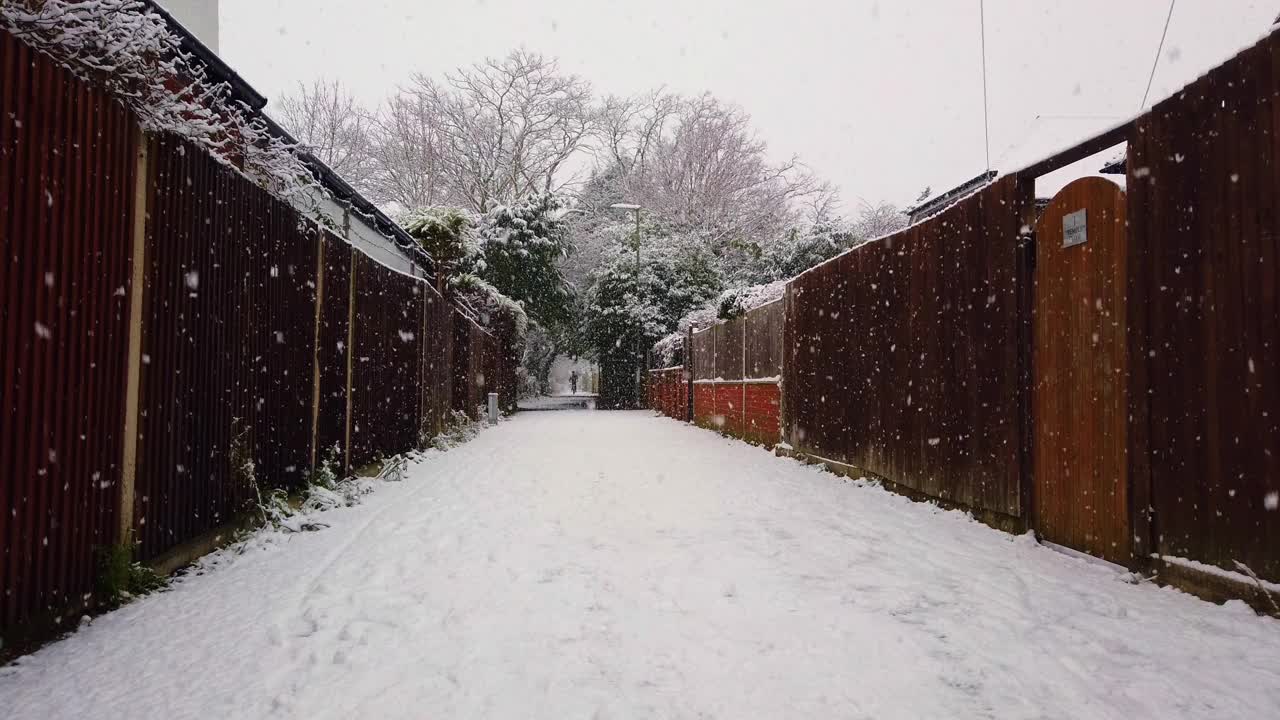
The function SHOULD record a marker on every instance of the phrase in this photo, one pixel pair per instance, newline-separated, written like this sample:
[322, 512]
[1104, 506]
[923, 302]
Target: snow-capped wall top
[127, 47]
[733, 302]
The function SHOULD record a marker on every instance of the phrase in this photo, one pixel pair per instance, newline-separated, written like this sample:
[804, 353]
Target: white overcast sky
[881, 97]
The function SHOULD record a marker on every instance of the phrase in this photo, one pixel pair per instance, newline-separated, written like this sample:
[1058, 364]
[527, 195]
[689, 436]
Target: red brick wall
[762, 417]
[704, 413]
[722, 407]
[729, 405]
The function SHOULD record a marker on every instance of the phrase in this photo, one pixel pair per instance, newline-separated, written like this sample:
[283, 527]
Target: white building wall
[198, 16]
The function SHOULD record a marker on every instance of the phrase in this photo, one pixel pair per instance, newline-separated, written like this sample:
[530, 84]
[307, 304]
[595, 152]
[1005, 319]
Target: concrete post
[746, 318]
[351, 334]
[315, 355]
[493, 408]
[133, 376]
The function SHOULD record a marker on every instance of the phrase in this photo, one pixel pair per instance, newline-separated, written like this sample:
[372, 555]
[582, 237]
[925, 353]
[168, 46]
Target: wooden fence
[1107, 374]
[735, 371]
[906, 357]
[1204, 308]
[1079, 395]
[165, 323]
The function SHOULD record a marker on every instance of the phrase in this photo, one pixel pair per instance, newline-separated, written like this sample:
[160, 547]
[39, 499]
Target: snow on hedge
[737, 301]
[730, 303]
[126, 47]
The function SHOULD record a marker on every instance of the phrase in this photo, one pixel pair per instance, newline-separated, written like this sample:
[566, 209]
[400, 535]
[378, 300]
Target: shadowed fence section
[67, 159]
[228, 346]
[333, 343]
[904, 356]
[475, 353]
[386, 365]
[1204, 300]
[176, 341]
[437, 385]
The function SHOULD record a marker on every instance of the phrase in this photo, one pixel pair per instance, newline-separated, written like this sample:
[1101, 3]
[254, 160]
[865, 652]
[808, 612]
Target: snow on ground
[618, 565]
[577, 401]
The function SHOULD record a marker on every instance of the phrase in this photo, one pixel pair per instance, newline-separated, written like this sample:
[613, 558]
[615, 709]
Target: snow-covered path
[617, 565]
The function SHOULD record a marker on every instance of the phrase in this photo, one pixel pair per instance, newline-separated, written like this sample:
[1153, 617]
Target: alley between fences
[621, 565]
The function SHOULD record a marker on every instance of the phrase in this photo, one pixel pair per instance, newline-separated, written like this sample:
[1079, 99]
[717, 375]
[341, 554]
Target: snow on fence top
[128, 48]
[732, 302]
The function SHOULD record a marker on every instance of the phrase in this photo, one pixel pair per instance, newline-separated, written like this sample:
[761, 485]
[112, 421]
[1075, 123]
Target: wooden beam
[1079, 151]
[133, 373]
[315, 354]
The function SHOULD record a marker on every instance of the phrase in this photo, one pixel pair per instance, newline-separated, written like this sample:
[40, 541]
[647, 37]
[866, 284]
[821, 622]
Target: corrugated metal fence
[228, 346]
[259, 337]
[66, 181]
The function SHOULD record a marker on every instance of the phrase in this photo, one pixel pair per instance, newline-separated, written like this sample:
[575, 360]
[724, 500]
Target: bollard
[493, 408]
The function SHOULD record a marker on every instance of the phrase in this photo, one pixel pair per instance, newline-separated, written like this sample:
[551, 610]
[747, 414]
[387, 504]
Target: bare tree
[711, 173]
[627, 129]
[327, 120]
[506, 128]
[406, 146]
[878, 220]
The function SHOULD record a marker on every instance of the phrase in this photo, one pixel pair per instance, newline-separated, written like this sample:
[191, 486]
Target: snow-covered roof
[365, 211]
[941, 201]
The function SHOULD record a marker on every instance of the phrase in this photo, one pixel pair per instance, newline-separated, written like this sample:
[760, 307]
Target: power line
[986, 119]
[1159, 49]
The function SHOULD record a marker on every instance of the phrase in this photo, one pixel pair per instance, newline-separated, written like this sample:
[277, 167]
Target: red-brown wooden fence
[904, 356]
[437, 386]
[1204, 299]
[67, 158]
[736, 369]
[386, 364]
[228, 346]
[333, 346]
[245, 341]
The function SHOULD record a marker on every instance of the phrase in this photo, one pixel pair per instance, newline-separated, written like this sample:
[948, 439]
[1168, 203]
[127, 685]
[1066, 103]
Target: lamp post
[640, 327]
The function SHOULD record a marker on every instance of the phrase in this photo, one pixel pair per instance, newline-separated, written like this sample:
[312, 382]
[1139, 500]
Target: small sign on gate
[1073, 229]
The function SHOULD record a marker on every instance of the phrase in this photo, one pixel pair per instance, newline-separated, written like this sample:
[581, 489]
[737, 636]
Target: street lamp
[640, 329]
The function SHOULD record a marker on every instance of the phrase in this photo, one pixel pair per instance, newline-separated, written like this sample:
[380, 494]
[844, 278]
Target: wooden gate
[1080, 497]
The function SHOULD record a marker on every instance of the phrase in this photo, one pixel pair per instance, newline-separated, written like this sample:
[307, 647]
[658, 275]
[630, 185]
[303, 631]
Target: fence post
[351, 352]
[743, 409]
[715, 365]
[133, 373]
[315, 355]
[1024, 285]
[786, 381]
[424, 379]
[688, 373]
[351, 336]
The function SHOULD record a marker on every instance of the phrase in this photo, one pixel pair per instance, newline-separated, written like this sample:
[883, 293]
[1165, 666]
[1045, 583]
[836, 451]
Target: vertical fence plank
[1202, 303]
